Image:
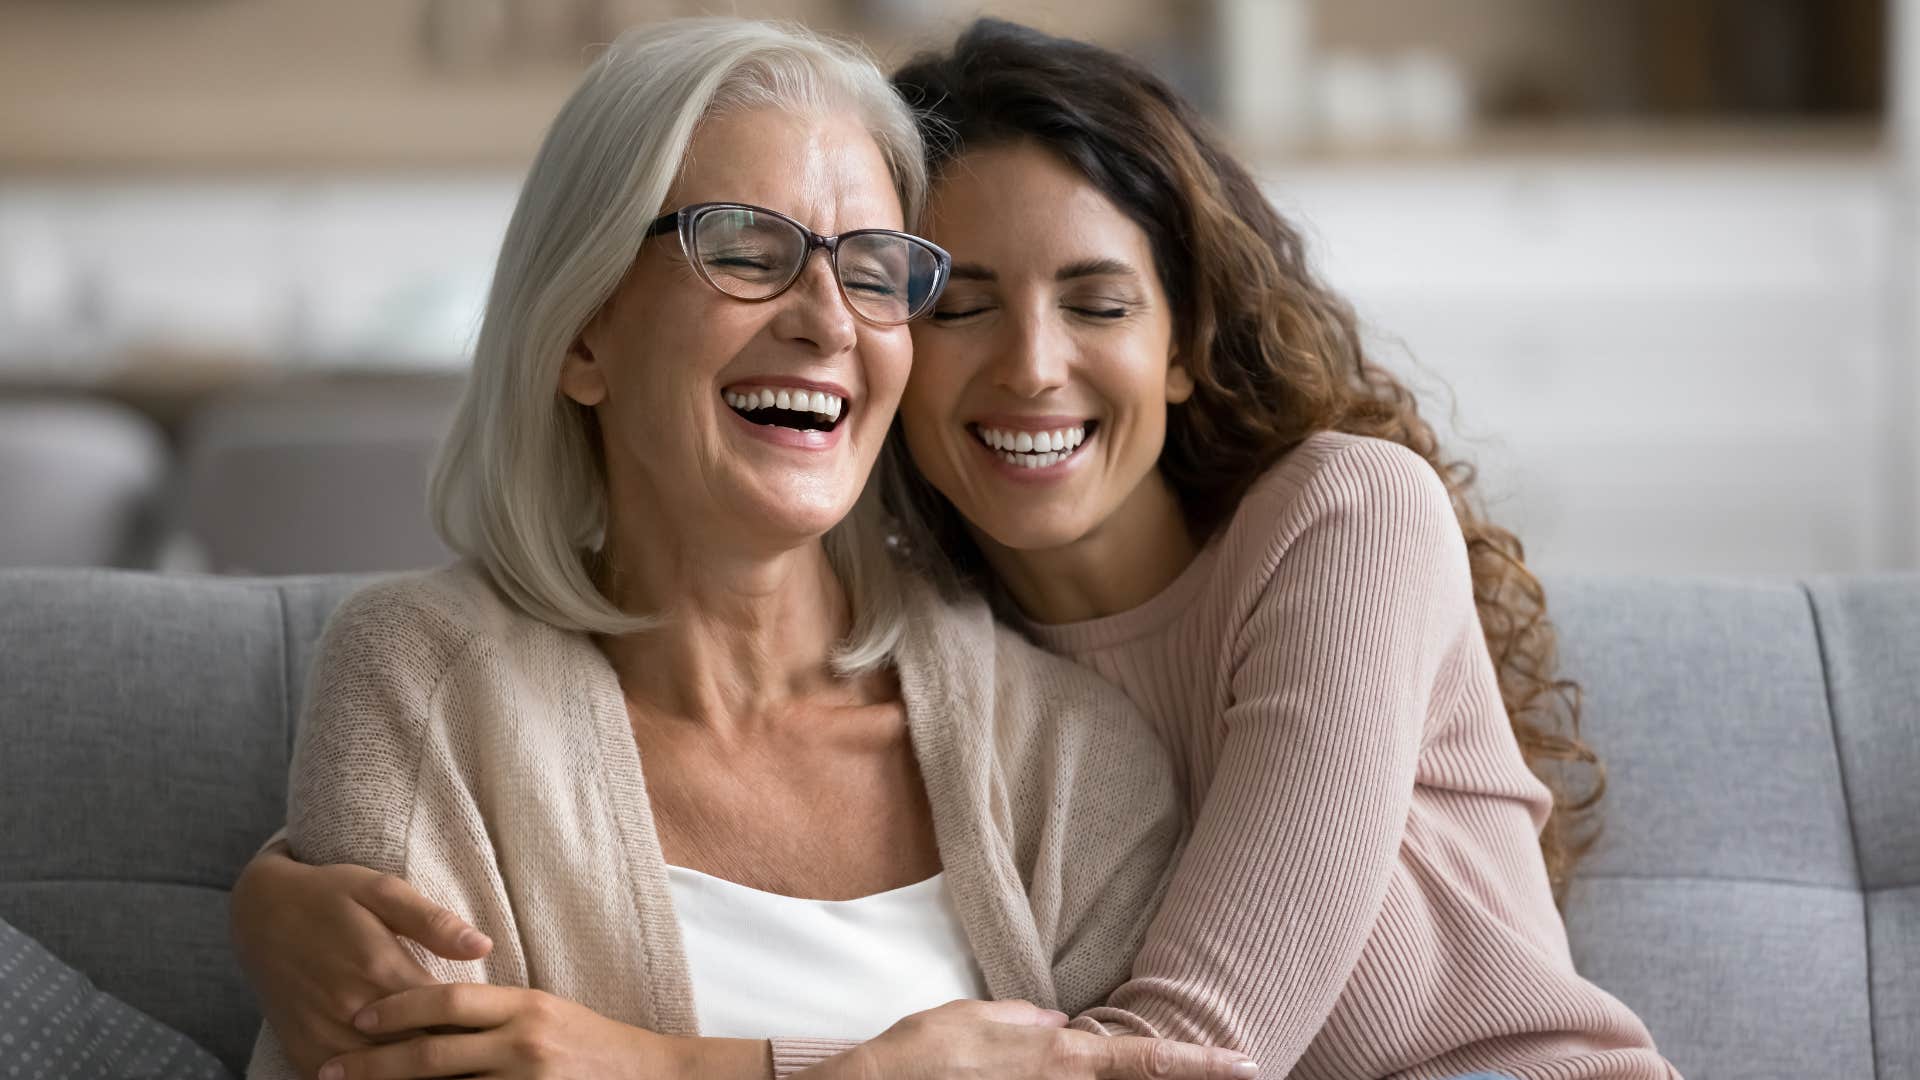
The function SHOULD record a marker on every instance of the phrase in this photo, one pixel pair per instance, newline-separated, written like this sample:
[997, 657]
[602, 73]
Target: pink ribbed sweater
[1363, 895]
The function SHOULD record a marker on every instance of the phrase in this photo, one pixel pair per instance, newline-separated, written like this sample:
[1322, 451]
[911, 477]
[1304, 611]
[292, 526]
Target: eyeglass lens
[887, 278]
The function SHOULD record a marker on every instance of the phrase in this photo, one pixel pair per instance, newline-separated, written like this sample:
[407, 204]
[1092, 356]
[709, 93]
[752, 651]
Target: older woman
[677, 734]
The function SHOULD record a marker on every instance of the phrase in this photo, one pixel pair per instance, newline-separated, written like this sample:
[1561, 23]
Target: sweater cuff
[790, 1055]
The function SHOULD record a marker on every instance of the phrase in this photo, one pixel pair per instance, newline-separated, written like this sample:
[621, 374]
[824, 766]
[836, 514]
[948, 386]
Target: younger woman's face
[1038, 399]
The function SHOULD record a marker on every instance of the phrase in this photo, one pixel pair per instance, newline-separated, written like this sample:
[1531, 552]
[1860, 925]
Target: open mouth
[787, 407]
[1035, 449]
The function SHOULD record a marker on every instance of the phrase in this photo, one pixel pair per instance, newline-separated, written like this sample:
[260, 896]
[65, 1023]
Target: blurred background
[1653, 264]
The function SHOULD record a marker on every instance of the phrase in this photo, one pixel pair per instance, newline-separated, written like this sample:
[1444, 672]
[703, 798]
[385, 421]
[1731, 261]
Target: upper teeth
[1034, 442]
[793, 400]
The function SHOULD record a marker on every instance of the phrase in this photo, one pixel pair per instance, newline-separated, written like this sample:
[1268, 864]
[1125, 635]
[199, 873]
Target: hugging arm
[1297, 837]
[310, 972]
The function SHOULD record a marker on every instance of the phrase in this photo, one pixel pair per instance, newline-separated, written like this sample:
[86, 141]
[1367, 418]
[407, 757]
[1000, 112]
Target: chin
[1030, 536]
[802, 521]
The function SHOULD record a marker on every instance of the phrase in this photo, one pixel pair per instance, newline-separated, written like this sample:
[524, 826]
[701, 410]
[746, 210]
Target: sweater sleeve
[1365, 583]
[354, 784]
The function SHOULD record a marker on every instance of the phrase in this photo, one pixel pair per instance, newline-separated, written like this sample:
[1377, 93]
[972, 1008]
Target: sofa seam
[1853, 831]
[1718, 879]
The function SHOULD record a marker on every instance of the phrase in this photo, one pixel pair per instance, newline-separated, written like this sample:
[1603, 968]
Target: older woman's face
[662, 359]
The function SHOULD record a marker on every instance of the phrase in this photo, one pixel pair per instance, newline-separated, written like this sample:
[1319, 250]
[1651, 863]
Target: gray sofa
[1756, 896]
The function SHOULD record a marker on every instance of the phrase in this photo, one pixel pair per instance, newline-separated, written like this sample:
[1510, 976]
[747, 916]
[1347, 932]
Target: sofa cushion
[1722, 900]
[147, 722]
[55, 1024]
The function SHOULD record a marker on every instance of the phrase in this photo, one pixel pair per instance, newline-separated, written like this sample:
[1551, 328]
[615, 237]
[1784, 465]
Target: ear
[581, 376]
[1179, 381]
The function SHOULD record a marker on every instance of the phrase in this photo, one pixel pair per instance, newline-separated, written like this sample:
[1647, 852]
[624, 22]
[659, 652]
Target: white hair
[519, 484]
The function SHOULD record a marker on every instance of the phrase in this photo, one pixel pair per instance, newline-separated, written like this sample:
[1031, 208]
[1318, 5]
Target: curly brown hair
[1275, 354]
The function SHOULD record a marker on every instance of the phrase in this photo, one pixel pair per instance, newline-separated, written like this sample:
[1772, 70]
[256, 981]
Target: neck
[1120, 564]
[741, 633]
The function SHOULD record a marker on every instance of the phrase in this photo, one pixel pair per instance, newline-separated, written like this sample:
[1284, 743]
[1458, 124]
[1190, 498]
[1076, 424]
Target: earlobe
[580, 376]
[1179, 383]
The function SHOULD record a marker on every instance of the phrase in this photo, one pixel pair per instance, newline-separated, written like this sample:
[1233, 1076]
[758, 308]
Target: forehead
[1022, 202]
[823, 169]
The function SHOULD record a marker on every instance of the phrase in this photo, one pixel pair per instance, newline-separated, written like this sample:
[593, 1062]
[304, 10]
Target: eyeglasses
[750, 253]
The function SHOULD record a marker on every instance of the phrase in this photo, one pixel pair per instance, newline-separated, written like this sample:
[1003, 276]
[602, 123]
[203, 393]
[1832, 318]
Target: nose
[813, 311]
[1034, 357]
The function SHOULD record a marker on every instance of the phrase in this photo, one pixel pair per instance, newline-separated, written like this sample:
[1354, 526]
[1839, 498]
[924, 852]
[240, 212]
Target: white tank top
[765, 964]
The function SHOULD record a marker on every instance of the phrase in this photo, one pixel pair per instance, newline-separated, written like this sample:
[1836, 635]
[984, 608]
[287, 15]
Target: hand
[1013, 1040]
[510, 1034]
[318, 943]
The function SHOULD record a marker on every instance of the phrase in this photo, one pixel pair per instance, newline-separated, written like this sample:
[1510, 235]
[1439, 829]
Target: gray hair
[519, 484]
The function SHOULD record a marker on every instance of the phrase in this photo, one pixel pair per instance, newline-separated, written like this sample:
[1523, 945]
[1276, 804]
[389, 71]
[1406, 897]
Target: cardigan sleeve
[1365, 585]
[1116, 830]
[354, 785]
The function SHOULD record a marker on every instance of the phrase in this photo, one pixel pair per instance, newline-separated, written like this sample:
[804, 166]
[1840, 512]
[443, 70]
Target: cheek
[940, 376]
[886, 366]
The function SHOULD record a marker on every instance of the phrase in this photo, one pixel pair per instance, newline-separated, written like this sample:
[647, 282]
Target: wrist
[696, 1058]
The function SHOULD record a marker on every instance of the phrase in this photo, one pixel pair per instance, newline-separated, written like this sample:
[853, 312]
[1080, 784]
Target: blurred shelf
[1594, 141]
[438, 128]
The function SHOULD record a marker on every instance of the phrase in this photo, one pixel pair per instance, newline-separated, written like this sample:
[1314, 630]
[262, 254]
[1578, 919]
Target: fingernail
[1242, 1070]
[332, 1070]
[365, 1019]
[474, 940]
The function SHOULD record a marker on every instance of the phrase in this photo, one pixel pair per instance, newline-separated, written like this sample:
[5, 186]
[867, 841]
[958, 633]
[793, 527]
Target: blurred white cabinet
[1660, 365]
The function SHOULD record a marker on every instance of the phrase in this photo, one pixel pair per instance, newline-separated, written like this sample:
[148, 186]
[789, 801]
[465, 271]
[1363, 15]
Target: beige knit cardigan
[487, 758]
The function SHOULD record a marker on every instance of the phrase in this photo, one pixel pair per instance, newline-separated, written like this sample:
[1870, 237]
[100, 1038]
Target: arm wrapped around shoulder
[1349, 606]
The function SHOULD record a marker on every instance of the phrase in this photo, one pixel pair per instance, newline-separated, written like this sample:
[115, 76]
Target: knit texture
[488, 759]
[1363, 895]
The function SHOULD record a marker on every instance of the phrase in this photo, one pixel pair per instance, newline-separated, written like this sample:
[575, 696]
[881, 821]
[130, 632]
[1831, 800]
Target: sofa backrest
[145, 725]
[1755, 895]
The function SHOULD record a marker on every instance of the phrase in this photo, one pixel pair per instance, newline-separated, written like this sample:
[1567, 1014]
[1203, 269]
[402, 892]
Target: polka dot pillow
[55, 1025]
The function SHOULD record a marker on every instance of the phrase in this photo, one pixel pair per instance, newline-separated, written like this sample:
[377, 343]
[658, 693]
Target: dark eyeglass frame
[683, 220]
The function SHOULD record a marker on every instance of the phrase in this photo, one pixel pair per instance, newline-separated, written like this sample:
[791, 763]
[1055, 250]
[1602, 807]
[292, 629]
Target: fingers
[417, 1059]
[410, 914]
[1127, 1057]
[467, 1005]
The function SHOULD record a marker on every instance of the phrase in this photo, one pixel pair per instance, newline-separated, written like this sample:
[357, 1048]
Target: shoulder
[407, 632]
[1336, 474]
[1345, 503]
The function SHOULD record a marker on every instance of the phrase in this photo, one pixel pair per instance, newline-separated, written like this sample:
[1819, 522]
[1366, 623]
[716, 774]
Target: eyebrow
[1094, 268]
[1097, 267]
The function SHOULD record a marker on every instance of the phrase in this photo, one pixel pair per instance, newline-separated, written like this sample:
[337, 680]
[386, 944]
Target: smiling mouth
[1035, 449]
[801, 410]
